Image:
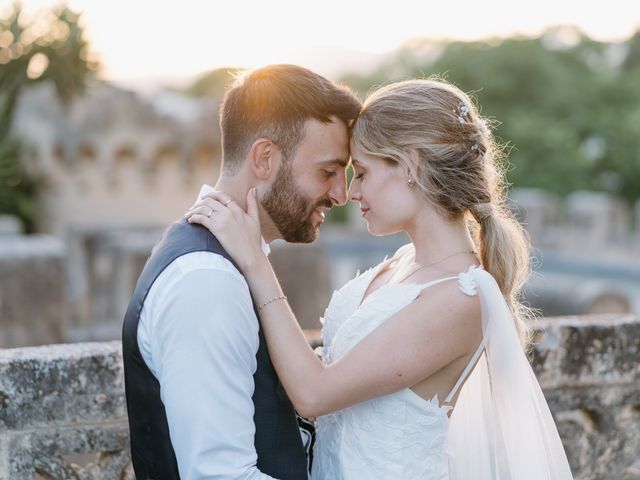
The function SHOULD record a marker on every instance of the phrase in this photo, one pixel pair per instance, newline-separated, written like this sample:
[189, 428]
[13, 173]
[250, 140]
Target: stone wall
[589, 368]
[63, 413]
[33, 302]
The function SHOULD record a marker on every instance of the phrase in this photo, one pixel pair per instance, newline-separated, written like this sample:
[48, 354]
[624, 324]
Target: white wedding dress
[402, 435]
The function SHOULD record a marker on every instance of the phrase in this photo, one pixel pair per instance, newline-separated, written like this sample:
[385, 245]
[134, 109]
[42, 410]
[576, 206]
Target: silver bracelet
[274, 299]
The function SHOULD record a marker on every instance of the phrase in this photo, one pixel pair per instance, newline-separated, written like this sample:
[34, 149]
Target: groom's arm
[204, 354]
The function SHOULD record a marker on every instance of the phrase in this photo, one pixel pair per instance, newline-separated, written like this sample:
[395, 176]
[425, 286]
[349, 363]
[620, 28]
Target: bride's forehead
[365, 161]
[358, 155]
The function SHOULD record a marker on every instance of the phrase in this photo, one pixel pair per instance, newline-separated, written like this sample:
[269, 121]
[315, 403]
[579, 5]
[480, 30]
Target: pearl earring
[411, 183]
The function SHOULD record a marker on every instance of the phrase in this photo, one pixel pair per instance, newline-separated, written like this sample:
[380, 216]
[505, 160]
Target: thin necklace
[435, 263]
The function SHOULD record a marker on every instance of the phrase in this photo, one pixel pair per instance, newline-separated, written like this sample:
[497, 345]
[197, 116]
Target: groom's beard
[290, 209]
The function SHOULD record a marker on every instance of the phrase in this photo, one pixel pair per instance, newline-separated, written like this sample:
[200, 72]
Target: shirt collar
[205, 189]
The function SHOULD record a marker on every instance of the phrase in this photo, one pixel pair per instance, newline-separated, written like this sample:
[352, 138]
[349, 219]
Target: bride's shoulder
[404, 250]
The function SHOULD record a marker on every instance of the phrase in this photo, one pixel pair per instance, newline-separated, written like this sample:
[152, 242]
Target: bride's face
[387, 203]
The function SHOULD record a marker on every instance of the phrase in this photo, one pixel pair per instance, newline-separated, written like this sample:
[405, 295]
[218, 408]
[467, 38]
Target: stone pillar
[597, 217]
[537, 211]
[33, 305]
[105, 262]
[129, 251]
[10, 225]
[637, 219]
[303, 271]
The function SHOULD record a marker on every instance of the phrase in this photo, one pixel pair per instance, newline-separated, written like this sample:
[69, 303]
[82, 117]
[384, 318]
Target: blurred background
[108, 128]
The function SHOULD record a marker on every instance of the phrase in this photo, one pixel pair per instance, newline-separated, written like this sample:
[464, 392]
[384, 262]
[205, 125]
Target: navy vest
[277, 439]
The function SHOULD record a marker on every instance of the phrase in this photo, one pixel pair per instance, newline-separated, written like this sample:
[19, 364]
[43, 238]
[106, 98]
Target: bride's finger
[203, 209]
[208, 204]
[220, 197]
[224, 200]
[211, 202]
[203, 220]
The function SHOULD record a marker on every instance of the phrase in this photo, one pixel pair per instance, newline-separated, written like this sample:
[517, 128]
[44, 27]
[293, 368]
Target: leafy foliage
[567, 106]
[49, 48]
[213, 84]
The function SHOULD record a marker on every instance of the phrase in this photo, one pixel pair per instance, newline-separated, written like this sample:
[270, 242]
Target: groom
[202, 396]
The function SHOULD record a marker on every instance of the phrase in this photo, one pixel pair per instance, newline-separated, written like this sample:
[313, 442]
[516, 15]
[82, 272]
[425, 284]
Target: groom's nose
[338, 192]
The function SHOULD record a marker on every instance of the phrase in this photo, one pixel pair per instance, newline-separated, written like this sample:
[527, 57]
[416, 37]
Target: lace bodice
[395, 436]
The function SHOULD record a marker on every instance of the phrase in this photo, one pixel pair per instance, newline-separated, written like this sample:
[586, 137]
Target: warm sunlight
[174, 40]
[463, 303]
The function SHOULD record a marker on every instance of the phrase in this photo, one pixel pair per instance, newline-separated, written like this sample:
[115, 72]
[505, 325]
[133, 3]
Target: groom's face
[310, 183]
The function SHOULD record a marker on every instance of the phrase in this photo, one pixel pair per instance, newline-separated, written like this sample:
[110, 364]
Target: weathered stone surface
[63, 413]
[61, 383]
[33, 307]
[46, 452]
[633, 472]
[589, 370]
[64, 404]
[578, 351]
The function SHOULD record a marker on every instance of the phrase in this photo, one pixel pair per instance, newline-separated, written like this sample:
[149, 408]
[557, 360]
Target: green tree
[213, 84]
[567, 106]
[49, 48]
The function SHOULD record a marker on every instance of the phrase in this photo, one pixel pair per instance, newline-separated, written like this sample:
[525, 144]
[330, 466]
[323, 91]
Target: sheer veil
[501, 428]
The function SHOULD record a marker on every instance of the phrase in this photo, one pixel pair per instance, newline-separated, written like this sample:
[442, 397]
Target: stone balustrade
[33, 307]
[63, 413]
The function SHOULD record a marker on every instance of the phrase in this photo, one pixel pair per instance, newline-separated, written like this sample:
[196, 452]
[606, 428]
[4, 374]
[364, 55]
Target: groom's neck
[235, 188]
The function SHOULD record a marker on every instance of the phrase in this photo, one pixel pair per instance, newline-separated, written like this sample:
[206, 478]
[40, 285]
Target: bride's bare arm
[412, 345]
[415, 343]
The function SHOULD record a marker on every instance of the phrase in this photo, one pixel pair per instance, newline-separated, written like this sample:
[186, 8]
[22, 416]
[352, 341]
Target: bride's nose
[354, 192]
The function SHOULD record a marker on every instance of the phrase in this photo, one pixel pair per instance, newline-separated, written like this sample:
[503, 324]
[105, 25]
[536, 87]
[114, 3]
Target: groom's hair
[274, 102]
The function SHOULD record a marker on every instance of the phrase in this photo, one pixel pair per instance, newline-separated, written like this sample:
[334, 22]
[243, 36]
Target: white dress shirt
[198, 334]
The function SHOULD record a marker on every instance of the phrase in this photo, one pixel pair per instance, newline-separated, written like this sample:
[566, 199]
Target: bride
[424, 374]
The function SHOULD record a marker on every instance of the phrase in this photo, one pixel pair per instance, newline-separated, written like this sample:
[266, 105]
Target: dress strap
[468, 287]
[466, 371]
[436, 282]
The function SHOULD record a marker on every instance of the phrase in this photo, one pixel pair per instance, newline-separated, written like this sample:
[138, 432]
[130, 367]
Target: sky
[148, 41]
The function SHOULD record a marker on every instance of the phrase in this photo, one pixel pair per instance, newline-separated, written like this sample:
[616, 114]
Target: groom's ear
[265, 158]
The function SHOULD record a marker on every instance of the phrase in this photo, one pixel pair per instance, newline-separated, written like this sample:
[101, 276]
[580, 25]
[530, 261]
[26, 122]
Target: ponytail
[434, 131]
[504, 251]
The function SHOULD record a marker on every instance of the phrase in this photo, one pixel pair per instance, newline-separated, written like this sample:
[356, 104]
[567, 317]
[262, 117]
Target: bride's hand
[237, 231]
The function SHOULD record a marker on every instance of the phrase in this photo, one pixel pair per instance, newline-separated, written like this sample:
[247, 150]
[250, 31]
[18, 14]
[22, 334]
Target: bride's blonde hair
[459, 170]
